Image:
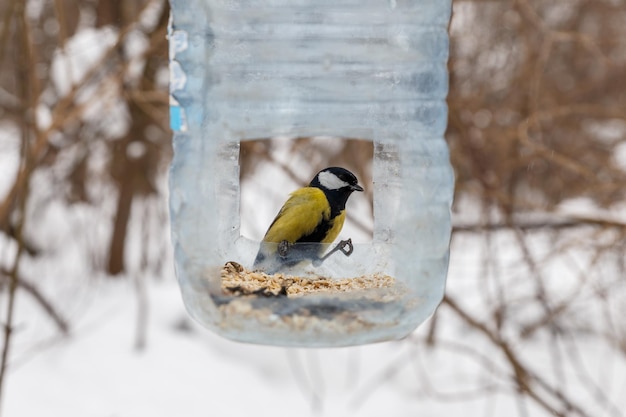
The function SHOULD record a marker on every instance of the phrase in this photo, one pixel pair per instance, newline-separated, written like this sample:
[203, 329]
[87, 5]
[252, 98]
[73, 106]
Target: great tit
[309, 221]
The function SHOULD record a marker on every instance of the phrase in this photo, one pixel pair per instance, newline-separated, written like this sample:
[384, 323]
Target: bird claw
[344, 246]
[283, 248]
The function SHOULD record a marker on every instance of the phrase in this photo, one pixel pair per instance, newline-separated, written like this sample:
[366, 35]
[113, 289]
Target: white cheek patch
[331, 181]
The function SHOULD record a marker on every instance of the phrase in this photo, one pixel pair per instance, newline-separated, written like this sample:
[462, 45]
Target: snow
[186, 370]
[183, 370]
[79, 55]
[9, 155]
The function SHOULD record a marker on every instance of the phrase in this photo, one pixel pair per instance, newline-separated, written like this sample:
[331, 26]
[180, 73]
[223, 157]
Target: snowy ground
[185, 370]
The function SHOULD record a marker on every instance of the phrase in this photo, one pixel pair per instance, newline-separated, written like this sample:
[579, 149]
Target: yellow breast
[335, 228]
[305, 209]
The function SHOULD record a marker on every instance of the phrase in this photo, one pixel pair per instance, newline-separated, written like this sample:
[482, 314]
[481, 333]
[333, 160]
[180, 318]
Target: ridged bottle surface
[374, 70]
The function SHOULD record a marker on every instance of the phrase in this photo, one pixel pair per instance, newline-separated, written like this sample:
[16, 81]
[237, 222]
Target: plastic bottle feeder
[333, 69]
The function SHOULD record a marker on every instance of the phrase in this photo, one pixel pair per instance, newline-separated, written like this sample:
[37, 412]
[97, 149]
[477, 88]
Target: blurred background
[532, 323]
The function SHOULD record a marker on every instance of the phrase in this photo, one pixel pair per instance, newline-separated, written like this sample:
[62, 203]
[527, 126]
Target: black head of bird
[309, 221]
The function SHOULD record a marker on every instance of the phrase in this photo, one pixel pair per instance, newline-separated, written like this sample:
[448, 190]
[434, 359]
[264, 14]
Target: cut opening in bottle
[270, 169]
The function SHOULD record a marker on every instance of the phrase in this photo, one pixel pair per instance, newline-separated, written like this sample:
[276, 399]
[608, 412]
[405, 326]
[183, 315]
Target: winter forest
[532, 323]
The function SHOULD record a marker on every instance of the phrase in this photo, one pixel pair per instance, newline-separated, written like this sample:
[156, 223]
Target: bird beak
[356, 187]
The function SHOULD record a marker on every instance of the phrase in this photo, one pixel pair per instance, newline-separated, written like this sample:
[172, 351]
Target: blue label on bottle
[178, 121]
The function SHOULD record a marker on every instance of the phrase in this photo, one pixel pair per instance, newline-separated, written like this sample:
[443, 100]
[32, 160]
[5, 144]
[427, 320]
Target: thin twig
[523, 377]
[48, 307]
[539, 225]
[24, 58]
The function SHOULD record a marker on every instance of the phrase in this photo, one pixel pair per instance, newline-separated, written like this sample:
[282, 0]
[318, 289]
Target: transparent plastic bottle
[369, 69]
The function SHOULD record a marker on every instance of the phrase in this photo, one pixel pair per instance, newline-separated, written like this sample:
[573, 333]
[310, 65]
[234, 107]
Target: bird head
[336, 179]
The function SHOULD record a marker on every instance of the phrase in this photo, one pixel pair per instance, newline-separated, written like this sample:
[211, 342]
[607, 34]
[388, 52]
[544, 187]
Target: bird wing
[300, 215]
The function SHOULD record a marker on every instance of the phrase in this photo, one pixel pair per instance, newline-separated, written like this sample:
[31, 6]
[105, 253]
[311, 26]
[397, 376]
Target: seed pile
[309, 310]
[236, 280]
